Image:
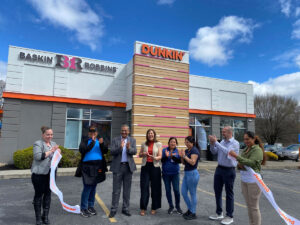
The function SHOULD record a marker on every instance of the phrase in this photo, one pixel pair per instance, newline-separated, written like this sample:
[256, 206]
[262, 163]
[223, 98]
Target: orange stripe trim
[62, 99]
[220, 113]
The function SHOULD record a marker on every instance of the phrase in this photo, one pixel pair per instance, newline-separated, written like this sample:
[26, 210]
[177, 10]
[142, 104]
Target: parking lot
[16, 201]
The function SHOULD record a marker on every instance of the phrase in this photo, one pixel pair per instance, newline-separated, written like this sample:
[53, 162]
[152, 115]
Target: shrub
[271, 156]
[70, 158]
[23, 158]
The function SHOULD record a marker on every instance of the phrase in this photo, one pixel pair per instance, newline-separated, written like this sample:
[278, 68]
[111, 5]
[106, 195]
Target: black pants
[41, 187]
[150, 175]
[224, 175]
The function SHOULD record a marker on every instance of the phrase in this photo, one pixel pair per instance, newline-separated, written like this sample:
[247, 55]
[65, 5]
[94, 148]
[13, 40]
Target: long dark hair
[154, 139]
[192, 140]
[258, 141]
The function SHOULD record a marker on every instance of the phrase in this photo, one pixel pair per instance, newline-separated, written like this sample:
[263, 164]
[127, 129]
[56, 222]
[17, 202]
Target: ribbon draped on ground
[54, 163]
[269, 195]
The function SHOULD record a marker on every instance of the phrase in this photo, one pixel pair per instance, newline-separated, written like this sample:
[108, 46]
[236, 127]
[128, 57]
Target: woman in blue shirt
[190, 158]
[93, 166]
[170, 173]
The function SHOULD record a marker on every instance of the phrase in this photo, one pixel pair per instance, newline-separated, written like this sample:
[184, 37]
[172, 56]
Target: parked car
[290, 152]
[272, 148]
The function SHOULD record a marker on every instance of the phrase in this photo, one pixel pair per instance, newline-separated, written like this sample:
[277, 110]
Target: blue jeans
[174, 180]
[189, 184]
[88, 196]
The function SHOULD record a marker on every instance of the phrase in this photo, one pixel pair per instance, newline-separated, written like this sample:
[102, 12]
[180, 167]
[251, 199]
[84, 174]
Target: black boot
[46, 208]
[37, 203]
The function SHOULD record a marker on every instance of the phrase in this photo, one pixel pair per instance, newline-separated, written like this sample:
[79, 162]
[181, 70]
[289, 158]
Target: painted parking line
[213, 194]
[208, 170]
[283, 188]
[105, 209]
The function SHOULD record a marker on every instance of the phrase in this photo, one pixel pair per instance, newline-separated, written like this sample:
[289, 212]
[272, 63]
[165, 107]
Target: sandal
[153, 212]
[142, 212]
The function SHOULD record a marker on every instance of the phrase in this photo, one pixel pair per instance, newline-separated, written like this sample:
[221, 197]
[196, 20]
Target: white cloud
[75, 15]
[285, 7]
[287, 59]
[3, 67]
[212, 44]
[296, 30]
[287, 85]
[165, 2]
[297, 11]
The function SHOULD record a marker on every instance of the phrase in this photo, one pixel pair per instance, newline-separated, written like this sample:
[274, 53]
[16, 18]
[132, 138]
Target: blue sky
[253, 41]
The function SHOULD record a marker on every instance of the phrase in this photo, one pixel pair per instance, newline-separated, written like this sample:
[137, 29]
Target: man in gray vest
[123, 149]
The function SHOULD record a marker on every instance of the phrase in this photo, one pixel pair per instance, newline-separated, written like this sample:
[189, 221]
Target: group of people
[157, 163]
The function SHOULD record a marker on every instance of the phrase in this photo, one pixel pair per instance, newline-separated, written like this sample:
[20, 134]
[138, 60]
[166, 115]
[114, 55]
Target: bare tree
[277, 118]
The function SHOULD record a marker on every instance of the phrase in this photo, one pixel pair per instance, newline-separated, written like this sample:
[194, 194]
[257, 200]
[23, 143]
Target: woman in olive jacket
[252, 156]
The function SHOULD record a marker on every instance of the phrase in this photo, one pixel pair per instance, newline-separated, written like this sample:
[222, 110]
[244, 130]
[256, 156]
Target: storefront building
[154, 90]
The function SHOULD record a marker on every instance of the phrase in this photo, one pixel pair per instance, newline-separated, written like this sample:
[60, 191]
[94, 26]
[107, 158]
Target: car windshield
[293, 147]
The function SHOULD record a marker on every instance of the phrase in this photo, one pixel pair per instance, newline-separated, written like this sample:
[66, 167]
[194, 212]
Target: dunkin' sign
[161, 52]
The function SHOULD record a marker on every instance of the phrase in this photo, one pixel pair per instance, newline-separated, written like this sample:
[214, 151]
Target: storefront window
[78, 122]
[200, 126]
[238, 125]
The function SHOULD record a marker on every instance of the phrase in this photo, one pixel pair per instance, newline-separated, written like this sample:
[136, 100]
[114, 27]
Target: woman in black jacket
[93, 167]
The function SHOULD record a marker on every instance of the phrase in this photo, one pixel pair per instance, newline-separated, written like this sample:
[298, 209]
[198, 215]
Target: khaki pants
[252, 194]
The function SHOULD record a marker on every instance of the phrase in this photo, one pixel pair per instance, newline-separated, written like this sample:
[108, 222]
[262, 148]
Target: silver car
[290, 152]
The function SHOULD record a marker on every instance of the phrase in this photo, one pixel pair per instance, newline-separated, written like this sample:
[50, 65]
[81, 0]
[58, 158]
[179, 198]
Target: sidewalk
[208, 165]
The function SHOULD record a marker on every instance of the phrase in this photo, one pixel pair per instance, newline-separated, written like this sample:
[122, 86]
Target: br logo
[65, 62]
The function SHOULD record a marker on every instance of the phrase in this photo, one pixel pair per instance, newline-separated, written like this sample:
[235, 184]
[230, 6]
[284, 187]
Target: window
[238, 125]
[78, 122]
[200, 126]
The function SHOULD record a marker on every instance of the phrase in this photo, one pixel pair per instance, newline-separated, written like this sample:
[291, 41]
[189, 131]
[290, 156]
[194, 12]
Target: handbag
[78, 172]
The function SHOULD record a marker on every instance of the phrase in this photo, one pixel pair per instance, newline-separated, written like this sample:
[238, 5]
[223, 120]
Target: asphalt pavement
[16, 201]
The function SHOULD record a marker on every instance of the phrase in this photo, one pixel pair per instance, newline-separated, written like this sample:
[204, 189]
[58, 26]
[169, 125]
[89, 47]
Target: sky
[255, 41]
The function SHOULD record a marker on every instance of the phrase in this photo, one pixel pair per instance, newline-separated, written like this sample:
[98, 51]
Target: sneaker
[191, 216]
[186, 213]
[85, 213]
[216, 216]
[170, 210]
[227, 220]
[92, 211]
[179, 211]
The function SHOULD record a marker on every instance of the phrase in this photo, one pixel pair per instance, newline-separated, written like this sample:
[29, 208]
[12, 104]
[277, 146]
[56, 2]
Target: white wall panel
[227, 96]
[200, 98]
[233, 101]
[37, 80]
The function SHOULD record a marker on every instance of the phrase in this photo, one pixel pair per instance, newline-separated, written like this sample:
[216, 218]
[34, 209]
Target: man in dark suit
[123, 149]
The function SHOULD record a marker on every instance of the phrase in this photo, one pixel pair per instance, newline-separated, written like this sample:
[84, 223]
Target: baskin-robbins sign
[161, 52]
[71, 63]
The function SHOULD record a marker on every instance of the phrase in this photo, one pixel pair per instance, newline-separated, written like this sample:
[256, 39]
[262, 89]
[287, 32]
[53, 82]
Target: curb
[204, 165]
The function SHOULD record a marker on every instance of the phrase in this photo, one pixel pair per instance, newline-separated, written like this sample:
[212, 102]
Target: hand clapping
[128, 145]
[167, 153]
[212, 138]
